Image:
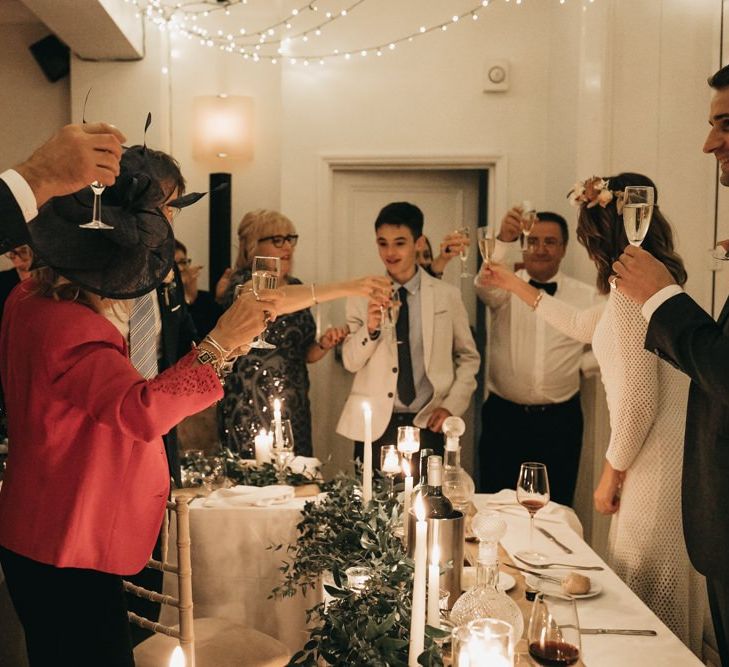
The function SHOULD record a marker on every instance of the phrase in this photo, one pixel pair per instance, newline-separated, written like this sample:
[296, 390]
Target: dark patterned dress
[263, 375]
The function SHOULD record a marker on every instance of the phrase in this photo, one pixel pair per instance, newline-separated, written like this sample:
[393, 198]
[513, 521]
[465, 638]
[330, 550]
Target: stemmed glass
[486, 243]
[466, 234]
[408, 442]
[637, 212]
[283, 449]
[390, 312]
[96, 222]
[390, 466]
[532, 492]
[528, 218]
[554, 630]
[266, 273]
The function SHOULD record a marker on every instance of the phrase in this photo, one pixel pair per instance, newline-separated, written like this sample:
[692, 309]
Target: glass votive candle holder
[408, 440]
[485, 642]
[357, 577]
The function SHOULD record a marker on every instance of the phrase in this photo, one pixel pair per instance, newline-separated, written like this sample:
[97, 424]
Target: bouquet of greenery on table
[364, 627]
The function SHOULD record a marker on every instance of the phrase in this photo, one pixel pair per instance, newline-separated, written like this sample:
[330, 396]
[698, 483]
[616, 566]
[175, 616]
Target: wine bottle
[437, 506]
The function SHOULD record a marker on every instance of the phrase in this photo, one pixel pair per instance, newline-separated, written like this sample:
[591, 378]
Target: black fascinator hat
[124, 262]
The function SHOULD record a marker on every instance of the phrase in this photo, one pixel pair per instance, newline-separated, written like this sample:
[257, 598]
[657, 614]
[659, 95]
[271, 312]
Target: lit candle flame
[178, 658]
[419, 508]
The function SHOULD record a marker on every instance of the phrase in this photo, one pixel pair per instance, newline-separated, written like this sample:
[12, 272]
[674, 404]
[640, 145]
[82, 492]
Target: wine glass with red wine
[532, 492]
[554, 630]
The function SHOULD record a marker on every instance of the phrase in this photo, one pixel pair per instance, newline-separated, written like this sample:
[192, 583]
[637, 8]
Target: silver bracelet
[220, 349]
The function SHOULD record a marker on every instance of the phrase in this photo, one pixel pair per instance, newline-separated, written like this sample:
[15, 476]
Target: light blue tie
[143, 337]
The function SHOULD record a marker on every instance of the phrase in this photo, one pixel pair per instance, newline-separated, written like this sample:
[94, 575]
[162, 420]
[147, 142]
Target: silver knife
[617, 631]
[538, 575]
[551, 537]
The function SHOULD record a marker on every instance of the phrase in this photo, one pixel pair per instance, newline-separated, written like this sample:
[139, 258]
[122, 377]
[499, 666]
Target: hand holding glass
[96, 222]
[266, 274]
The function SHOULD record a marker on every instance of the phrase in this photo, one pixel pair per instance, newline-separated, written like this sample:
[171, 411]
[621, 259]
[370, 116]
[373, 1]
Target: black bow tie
[549, 288]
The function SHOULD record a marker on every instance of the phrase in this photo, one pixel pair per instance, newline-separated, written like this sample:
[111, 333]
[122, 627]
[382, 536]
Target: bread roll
[576, 584]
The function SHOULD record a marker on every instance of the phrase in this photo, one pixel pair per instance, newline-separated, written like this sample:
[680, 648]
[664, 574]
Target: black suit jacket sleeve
[13, 229]
[683, 333]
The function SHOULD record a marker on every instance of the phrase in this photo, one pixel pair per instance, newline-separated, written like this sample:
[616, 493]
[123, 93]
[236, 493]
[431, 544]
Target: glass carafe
[485, 600]
[458, 485]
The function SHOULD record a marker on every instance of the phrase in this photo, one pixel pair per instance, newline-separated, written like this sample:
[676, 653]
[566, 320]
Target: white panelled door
[448, 199]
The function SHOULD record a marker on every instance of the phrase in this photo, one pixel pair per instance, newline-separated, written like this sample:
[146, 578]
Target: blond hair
[256, 225]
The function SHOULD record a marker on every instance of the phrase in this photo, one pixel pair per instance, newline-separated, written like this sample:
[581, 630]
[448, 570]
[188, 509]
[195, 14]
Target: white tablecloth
[234, 572]
[616, 607]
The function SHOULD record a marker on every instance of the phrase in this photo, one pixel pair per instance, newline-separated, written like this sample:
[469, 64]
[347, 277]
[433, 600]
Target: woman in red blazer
[87, 479]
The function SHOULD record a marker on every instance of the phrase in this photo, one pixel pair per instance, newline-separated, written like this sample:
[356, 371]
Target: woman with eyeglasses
[263, 375]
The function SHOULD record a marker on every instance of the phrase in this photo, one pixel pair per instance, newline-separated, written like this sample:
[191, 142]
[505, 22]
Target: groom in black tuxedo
[680, 332]
[72, 158]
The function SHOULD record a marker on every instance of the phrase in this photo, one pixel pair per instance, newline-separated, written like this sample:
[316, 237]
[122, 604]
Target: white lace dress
[647, 402]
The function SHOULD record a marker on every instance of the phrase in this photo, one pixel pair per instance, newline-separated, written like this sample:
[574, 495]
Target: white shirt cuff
[658, 299]
[22, 193]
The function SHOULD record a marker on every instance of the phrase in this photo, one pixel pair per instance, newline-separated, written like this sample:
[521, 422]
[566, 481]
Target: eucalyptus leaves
[370, 627]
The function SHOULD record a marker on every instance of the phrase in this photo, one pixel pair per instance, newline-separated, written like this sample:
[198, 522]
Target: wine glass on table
[637, 212]
[528, 218]
[266, 274]
[95, 222]
[390, 466]
[554, 630]
[283, 448]
[408, 442]
[486, 243]
[532, 493]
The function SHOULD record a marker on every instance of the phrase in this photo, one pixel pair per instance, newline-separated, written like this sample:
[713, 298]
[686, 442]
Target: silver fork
[546, 566]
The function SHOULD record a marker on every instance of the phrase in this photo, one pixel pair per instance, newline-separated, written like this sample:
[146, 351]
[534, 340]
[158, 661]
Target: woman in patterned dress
[263, 375]
[641, 479]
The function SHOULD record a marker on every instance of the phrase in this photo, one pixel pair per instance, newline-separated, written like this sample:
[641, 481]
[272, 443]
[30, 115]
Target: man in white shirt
[533, 411]
[425, 369]
[72, 158]
[683, 334]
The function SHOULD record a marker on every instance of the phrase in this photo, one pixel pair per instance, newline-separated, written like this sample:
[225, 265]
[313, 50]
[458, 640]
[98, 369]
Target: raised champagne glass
[637, 212]
[528, 218]
[532, 493]
[463, 254]
[95, 222]
[266, 274]
[486, 243]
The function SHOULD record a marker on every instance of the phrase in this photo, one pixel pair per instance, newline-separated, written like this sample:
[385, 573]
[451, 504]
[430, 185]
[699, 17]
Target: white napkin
[507, 497]
[250, 496]
[305, 465]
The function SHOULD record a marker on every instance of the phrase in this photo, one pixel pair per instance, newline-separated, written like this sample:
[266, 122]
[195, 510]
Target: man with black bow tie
[533, 411]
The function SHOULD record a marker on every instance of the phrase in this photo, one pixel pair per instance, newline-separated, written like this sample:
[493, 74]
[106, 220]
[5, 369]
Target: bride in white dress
[641, 479]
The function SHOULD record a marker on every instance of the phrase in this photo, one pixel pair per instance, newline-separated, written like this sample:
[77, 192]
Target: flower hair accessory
[593, 192]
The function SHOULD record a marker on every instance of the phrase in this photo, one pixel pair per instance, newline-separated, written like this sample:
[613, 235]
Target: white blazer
[451, 361]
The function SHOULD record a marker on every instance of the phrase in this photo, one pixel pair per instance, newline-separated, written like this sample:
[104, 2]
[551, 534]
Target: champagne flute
[266, 273]
[637, 212]
[390, 466]
[390, 312]
[486, 243]
[554, 630]
[528, 218]
[463, 254]
[96, 222]
[283, 449]
[532, 493]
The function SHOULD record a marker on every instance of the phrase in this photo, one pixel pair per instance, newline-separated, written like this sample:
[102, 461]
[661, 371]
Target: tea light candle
[367, 463]
[417, 616]
[391, 464]
[406, 499]
[434, 588]
[263, 442]
[278, 429]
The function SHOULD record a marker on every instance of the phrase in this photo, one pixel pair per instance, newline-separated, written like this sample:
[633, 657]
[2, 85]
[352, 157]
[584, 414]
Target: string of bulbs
[271, 43]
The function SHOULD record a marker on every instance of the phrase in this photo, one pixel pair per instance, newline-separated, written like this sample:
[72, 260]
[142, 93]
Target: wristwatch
[220, 366]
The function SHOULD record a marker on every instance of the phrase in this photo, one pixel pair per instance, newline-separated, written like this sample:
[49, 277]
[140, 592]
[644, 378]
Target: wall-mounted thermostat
[496, 76]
